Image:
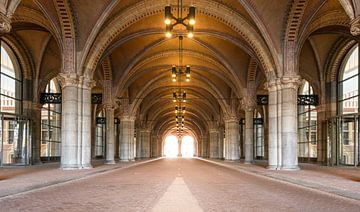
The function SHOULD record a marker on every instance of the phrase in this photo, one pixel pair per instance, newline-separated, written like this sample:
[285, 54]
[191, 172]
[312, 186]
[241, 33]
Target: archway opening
[187, 147]
[171, 147]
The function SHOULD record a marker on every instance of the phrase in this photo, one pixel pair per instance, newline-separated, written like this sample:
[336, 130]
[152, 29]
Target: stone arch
[147, 8]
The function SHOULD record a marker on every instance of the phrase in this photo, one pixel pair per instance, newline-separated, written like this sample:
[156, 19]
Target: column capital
[273, 85]
[127, 118]
[68, 79]
[249, 103]
[355, 26]
[292, 82]
[86, 83]
[5, 24]
[231, 119]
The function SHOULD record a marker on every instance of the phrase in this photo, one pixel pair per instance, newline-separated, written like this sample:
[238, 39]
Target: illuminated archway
[187, 147]
[171, 147]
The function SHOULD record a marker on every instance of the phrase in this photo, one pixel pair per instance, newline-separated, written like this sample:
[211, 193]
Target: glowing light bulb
[168, 34]
[190, 35]
[167, 21]
[192, 22]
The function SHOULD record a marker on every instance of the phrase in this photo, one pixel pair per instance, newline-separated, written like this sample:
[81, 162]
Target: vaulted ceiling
[235, 43]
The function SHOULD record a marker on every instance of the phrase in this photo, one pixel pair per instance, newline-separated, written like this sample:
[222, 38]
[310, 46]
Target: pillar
[110, 135]
[179, 146]
[214, 143]
[69, 121]
[205, 146]
[143, 143]
[76, 122]
[249, 134]
[36, 134]
[289, 92]
[154, 146]
[232, 139]
[126, 151]
[321, 134]
[274, 142]
[221, 142]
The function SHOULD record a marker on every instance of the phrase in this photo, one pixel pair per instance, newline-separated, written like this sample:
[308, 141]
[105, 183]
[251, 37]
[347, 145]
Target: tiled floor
[177, 185]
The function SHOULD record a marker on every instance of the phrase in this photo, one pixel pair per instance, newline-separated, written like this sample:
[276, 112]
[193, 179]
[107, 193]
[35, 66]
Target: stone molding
[5, 24]
[68, 79]
[355, 26]
[231, 119]
[292, 82]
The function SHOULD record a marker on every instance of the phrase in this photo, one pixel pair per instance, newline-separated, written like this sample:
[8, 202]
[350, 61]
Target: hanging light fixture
[171, 21]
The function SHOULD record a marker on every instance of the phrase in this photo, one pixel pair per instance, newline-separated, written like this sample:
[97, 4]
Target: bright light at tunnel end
[171, 147]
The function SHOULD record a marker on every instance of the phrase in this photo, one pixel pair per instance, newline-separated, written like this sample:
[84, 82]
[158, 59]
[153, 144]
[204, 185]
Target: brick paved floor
[193, 183]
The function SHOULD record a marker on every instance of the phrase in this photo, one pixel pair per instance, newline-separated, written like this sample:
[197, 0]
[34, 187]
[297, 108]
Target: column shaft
[289, 126]
[214, 143]
[110, 136]
[274, 158]
[232, 140]
[126, 151]
[249, 135]
[69, 130]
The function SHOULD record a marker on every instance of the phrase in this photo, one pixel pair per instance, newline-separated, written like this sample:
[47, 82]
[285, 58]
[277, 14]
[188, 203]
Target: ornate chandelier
[171, 21]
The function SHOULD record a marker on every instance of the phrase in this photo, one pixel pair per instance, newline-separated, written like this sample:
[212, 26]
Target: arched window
[307, 126]
[348, 107]
[10, 82]
[51, 125]
[349, 84]
[258, 136]
[100, 135]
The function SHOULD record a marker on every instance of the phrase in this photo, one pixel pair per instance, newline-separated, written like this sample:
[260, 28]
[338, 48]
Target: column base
[74, 166]
[232, 160]
[110, 162]
[290, 168]
[273, 167]
[249, 162]
[87, 166]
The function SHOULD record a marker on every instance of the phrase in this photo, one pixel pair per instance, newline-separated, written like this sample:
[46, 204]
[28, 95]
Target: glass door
[14, 141]
[348, 129]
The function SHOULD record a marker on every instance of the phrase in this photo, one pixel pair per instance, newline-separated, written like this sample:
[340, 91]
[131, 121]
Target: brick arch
[338, 54]
[251, 75]
[63, 9]
[151, 7]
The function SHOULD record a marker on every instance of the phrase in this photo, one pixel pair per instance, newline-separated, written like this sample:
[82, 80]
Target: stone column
[321, 134]
[249, 135]
[110, 135]
[221, 142]
[69, 128]
[274, 145]
[154, 147]
[205, 146]
[232, 139]
[179, 147]
[143, 143]
[289, 92]
[145, 150]
[126, 151]
[214, 143]
[85, 121]
[36, 134]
